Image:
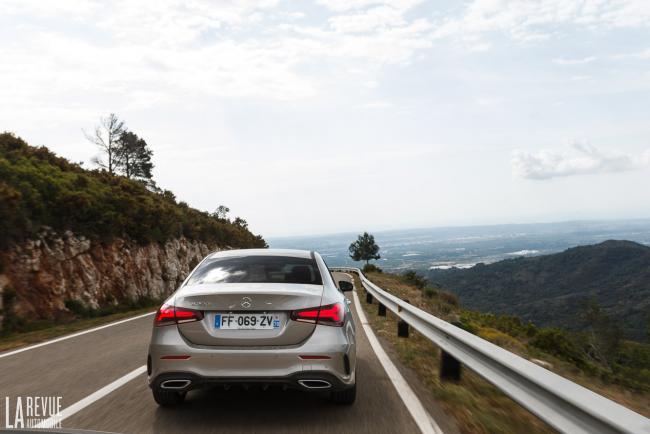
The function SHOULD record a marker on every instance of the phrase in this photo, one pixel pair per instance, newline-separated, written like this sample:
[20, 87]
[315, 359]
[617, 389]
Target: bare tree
[106, 137]
[221, 212]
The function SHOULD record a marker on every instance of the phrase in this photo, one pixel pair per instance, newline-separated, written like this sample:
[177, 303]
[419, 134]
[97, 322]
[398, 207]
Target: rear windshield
[257, 269]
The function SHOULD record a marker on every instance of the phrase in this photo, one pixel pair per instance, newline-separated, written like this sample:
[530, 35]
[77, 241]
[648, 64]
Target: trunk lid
[272, 300]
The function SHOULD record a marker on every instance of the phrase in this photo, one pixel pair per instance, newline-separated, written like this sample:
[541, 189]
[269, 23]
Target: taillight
[168, 314]
[187, 315]
[331, 315]
[165, 315]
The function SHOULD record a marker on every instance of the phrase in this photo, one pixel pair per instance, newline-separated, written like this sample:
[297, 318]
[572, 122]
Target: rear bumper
[254, 365]
[312, 381]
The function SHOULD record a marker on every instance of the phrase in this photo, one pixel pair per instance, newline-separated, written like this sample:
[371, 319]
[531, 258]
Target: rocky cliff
[46, 271]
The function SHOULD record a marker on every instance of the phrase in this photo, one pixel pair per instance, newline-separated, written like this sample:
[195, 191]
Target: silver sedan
[255, 317]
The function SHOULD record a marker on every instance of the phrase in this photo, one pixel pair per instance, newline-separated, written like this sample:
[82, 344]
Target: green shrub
[449, 298]
[144, 301]
[10, 321]
[430, 292]
[531, 329]
[413, 278]
[77, 307]
[555, 341]
[371, 268]
[466, 324]
[509, 324]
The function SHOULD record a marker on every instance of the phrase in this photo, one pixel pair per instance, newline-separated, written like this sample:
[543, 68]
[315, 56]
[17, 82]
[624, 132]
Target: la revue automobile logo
[33, 412]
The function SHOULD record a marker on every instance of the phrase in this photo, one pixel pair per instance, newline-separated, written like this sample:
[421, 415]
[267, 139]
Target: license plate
[246, 321]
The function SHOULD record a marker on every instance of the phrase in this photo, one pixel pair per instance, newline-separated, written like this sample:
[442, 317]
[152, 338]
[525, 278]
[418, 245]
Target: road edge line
[93, 397]
[422, 418]
[73, 335]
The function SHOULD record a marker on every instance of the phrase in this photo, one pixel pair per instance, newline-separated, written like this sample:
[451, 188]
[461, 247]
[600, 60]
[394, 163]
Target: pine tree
[133, 157]
[364, 248]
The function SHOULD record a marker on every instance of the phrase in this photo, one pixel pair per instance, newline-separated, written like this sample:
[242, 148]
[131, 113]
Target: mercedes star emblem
[246, 302]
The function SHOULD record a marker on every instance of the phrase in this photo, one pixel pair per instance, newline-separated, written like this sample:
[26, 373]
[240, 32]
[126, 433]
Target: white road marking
[85, 402]
[74, 335]
[422, 418]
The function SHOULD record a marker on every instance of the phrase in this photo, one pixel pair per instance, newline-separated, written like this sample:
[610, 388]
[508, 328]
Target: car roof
[261, 252]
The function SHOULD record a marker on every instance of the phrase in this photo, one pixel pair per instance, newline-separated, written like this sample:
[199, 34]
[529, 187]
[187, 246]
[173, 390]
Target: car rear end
[254, 317]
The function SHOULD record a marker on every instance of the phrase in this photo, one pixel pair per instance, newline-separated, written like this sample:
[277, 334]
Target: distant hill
[553, 290]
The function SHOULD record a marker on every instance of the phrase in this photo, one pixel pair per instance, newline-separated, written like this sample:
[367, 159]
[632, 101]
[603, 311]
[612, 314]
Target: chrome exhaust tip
[175, 384]
[315, 384]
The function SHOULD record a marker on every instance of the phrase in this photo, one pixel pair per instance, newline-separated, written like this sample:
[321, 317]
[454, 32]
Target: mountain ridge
[555, 289]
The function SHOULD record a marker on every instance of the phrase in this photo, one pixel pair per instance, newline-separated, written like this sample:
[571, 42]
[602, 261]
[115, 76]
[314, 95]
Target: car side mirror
[345, 286]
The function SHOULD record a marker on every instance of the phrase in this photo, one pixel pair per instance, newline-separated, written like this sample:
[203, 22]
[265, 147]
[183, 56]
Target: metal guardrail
[564, 405]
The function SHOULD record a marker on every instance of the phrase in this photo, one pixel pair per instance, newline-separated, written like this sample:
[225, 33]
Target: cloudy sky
[344, 115]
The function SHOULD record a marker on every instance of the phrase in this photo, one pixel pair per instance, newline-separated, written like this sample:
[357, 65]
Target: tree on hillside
[133, 157]
[221, 212]
[240, 222]
[604, 335]
[106, 136]
[364, 248]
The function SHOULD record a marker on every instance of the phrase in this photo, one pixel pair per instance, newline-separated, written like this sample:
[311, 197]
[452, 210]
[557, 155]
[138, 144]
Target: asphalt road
[77, 367]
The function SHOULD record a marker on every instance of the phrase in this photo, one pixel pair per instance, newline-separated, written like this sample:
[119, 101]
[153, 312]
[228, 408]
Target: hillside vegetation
[38, 188]
[560, 290]
[476, 405]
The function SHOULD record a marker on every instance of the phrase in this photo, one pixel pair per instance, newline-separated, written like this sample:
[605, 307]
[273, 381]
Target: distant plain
[465, 246]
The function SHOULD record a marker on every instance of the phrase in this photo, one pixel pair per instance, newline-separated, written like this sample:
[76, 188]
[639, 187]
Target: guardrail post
[402, 329]
[402, 326]
[449, 367]
[381, 309]
[368, 297]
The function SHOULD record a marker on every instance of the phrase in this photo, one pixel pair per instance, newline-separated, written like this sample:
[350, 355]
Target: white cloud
[534, 20]
[580, 78]
[161, 51]
[626, 13]
[643, 54]
[487, 101]
[376, 105]
[71, 8]
[582, 159]
[378, 17]
[174, 23]
[348, 5]
[576, 61]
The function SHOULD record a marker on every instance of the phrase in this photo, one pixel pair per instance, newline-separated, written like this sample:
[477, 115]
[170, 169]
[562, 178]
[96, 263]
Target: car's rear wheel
[345, 396]
[168, 398]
